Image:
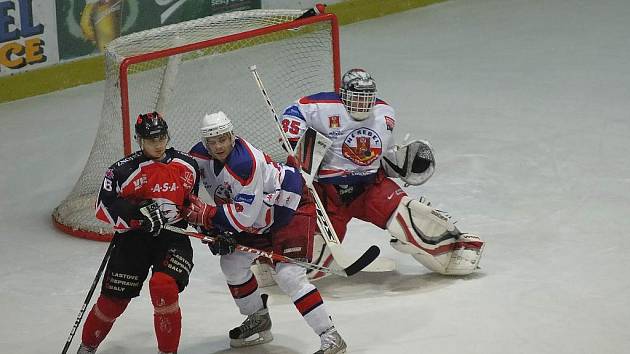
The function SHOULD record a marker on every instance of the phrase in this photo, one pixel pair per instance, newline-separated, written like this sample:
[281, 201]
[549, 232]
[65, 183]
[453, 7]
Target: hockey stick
[346, 272]
[330, 236]
[101, 268]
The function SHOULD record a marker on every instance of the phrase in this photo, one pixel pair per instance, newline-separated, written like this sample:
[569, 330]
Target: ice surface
[527, 105]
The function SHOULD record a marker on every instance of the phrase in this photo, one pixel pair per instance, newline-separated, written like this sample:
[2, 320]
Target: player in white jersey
[258, 203]
[354, 179]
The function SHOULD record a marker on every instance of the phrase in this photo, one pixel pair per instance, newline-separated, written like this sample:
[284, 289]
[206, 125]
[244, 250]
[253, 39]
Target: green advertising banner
[84, 27]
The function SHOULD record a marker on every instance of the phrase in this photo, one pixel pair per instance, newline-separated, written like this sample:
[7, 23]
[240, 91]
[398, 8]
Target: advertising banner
[28, 35]
[86, 26]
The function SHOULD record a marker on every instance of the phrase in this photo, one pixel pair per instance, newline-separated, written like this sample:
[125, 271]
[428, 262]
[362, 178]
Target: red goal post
[201, 66]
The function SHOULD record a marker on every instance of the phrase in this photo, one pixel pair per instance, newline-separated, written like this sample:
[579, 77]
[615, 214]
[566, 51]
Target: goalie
[355, 177]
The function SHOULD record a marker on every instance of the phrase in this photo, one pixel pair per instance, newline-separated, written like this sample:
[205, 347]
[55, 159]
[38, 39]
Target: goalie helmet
[150, 125]
[358, 93]
[215, 124]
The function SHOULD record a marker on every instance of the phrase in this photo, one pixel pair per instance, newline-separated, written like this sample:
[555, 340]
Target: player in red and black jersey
[140, 194]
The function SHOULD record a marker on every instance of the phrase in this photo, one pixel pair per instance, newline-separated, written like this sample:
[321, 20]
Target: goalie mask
[358, 93]
[150, 125]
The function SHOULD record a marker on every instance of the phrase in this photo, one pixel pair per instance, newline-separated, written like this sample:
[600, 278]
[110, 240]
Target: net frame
[82, 199]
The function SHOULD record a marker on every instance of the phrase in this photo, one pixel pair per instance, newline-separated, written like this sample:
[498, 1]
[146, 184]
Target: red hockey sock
[101, 319]
[167, 317]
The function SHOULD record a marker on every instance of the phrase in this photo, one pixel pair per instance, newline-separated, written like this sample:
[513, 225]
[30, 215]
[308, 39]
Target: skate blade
[263, 337]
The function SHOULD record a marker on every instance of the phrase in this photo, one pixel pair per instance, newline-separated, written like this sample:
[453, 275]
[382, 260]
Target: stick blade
[366, 258]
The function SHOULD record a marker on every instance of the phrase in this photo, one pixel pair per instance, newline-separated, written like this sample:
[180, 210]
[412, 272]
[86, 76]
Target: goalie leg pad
[466, 255]
[432, 239]
[263, 272]
[418, 224]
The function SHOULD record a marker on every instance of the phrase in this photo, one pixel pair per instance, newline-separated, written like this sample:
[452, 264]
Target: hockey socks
[101, 319]
[167, 317]
[311, 306]
[247, 296]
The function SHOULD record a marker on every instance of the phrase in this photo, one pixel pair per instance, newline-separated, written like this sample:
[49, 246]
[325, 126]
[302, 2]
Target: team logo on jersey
[245, 198]
[188, 178]
[223, 194]
[138, 183]
[109, 173]
[164, 187]
[362, 146]
[390, 123]
[333, 122]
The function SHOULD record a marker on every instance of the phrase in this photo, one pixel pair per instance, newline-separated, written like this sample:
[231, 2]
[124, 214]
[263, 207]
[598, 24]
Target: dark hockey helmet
[358, 93]
[150, 125]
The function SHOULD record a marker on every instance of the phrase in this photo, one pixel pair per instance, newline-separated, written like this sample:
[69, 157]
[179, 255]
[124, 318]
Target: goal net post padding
[196, 67]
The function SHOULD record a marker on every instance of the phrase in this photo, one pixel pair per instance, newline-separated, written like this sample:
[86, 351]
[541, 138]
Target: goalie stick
[345, 272]
[325, 226]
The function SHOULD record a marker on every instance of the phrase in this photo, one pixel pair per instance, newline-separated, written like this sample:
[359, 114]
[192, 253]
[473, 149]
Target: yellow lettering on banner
[15, 55]
[34, 51]
[7, 50]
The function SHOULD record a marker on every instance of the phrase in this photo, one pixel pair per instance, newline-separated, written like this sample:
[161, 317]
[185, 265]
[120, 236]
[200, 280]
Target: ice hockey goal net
[196, 67]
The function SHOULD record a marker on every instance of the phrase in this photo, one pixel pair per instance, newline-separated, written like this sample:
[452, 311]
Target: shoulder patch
[380, 101]
[390, 123]
[293, 111]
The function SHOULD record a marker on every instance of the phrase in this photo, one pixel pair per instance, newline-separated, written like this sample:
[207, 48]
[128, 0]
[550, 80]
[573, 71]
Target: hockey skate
[332, 342]
[257, 325]
[84, 349]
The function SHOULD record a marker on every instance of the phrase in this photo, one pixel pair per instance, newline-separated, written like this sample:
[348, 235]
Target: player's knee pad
[290, 278]
[432, 239]
[236, 267]
[164, 293]
[107, 309]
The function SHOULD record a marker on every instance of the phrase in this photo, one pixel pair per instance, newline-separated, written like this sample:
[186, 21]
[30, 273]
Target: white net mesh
[215, 76]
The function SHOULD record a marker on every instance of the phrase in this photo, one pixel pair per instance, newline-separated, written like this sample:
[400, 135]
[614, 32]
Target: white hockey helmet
[358, 93]
[215, 124]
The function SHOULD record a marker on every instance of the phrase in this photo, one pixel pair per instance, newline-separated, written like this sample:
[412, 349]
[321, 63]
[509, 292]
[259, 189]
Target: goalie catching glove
[412, 162]
[197, 212]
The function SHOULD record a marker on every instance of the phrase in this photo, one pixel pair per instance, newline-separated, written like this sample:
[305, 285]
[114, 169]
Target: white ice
[527, 104]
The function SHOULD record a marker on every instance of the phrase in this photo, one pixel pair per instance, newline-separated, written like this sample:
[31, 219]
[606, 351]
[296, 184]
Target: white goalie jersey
[357, 146]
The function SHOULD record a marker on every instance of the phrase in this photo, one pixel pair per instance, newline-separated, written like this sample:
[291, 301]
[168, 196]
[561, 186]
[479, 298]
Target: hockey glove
[412, 162]
[224, 243]
[199, 213]
[151, 218]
